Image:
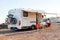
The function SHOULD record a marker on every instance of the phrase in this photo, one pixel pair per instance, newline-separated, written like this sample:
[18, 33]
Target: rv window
[25, 14]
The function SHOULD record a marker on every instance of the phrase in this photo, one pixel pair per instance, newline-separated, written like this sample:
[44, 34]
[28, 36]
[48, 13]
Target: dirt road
[50, 33]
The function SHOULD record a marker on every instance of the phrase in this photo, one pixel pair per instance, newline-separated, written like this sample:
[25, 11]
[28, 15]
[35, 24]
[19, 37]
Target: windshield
[10, 16]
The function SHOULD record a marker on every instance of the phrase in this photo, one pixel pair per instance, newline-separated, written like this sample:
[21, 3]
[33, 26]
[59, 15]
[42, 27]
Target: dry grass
[50, 33]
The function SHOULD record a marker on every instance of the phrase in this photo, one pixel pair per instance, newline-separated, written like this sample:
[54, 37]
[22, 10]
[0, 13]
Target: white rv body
[25, 22]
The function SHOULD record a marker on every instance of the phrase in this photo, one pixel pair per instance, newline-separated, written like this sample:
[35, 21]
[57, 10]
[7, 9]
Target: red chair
[38, 26]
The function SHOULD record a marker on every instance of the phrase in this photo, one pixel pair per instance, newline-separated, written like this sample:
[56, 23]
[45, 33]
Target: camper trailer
[23, 18]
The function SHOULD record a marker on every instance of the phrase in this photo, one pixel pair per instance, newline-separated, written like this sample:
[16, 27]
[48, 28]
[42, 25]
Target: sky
[49, 6]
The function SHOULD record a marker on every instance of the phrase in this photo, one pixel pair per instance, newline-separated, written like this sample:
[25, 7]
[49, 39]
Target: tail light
[19, 23]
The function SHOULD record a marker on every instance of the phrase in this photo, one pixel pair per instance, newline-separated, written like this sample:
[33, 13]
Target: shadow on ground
[10, 31]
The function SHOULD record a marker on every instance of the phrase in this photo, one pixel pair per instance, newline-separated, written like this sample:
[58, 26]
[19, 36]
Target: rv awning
[31, 10]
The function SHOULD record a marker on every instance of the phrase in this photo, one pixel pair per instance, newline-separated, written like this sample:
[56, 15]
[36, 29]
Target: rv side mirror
[13, 20]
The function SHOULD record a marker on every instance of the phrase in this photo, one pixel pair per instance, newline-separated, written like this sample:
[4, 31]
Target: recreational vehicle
[23, 18]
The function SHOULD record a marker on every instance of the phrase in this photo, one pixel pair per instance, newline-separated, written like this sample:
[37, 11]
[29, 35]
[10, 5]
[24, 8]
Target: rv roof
[29, 10]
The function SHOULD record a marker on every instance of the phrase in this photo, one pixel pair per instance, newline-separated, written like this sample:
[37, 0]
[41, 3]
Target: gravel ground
[50, 33]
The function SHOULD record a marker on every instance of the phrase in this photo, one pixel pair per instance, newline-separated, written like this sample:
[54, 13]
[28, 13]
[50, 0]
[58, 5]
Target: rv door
[25, 18]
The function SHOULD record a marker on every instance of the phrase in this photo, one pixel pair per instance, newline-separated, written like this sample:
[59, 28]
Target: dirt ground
[50, 33]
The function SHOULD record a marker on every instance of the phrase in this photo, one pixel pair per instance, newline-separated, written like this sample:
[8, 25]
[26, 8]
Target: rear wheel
[33, 27]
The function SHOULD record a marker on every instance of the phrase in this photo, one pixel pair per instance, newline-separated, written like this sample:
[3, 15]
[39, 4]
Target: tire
[14, 29]
[33, 27]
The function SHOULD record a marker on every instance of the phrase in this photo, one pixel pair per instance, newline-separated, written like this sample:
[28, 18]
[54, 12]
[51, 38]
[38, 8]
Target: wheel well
[33, 25]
